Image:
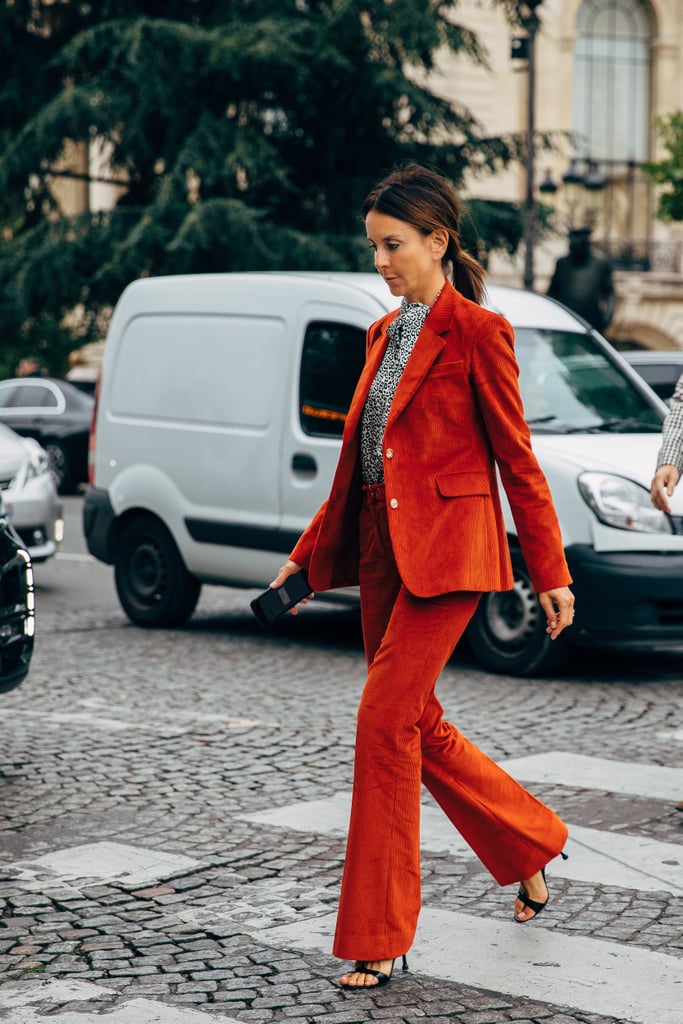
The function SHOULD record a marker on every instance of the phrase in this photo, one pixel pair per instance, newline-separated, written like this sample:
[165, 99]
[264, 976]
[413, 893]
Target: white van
[221, 403]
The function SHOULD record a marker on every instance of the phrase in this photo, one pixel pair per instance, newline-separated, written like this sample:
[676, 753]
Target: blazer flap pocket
[443, 369]
[458, 485]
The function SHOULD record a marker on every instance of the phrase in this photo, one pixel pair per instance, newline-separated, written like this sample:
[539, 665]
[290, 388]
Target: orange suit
[423, 546]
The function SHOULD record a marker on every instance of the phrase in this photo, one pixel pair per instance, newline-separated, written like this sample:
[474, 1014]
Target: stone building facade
[605, 69]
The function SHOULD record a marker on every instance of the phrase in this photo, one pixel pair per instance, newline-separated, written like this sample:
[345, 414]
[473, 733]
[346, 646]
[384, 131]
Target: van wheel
[154, 587]
[507, 633]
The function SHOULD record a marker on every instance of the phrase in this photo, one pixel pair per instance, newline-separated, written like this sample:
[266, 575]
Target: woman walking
[414, 518]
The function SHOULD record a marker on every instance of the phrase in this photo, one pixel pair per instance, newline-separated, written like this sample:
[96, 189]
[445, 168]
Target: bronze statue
[583, 281]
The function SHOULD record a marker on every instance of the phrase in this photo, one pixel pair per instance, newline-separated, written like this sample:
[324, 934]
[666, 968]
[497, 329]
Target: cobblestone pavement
[123, 740]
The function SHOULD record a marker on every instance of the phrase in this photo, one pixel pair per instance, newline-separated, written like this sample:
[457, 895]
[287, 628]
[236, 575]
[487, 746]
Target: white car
[30, 495]
[596, 430]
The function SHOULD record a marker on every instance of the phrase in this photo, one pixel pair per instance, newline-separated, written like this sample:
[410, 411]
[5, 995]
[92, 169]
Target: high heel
[361, 967]
[534, 905]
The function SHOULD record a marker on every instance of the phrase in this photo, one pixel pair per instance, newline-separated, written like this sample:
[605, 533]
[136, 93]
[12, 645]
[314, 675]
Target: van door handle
[304, 463]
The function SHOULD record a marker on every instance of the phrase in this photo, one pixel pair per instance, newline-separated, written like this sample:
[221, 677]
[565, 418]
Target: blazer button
[394, 503]
[390, 453]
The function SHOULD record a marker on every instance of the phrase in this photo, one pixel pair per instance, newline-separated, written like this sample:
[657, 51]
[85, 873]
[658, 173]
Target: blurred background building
[604, 71]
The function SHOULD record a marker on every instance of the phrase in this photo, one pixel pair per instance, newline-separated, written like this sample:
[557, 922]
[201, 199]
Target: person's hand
[662, 487]
[558, 605]
[288, 569]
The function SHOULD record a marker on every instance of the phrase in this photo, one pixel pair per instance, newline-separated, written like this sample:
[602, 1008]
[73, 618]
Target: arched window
[612, 80]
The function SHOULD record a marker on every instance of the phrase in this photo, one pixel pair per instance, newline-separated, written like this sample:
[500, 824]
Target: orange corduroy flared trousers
[402, 741]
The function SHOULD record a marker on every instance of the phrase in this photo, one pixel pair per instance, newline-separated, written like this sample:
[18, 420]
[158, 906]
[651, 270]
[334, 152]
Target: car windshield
[569, 385]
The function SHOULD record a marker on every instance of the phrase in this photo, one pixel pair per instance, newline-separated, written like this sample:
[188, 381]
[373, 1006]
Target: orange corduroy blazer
[457, 412]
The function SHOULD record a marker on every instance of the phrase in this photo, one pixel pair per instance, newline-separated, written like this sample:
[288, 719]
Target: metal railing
[642, 255]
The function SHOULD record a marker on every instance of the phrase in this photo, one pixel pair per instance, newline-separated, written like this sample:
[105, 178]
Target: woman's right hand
[662, 488]
[288, 569]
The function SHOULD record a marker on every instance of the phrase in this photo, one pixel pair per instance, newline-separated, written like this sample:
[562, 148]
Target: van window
[220, 370]
[332, 360]
[569, 384]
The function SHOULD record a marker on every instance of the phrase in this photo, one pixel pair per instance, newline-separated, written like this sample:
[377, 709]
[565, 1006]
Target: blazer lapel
[427, 347]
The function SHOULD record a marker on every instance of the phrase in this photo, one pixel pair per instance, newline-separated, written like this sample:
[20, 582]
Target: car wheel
[60, 467]
[152, 582]
[508, 635]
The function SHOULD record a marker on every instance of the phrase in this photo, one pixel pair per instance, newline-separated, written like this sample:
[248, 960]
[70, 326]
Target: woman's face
[409, 261]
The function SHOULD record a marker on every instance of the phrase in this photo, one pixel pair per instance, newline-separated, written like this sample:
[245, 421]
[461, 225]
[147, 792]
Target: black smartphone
[275, 601]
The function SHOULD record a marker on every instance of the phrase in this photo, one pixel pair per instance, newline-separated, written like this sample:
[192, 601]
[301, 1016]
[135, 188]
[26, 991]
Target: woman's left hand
[558, 605]
[285, 571]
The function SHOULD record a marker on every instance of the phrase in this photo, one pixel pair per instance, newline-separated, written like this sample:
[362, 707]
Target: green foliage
[247, 133]
[669, 171]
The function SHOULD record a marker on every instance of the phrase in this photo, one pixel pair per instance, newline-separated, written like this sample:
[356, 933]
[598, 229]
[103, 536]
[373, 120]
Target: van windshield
[569, 385]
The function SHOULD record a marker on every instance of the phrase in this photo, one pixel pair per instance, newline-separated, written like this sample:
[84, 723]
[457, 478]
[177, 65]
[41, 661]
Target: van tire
[507, 634]
[152, 583]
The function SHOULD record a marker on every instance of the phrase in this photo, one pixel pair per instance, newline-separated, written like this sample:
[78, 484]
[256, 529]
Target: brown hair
[422, 197]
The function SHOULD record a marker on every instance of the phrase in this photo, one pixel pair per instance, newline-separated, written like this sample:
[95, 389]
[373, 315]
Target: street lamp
[525, 48]
[581, 184]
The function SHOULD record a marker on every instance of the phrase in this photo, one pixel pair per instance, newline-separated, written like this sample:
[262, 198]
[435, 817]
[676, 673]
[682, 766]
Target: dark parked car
[58, 415]
[17, 607]
[661, 369]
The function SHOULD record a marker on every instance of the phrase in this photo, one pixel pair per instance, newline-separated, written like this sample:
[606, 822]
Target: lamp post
[582, 184]
[529, 20]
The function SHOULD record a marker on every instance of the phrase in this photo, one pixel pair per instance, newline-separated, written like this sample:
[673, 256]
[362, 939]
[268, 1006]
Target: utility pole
[527, 48]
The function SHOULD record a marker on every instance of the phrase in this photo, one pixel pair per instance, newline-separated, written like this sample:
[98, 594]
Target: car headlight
[622, 503]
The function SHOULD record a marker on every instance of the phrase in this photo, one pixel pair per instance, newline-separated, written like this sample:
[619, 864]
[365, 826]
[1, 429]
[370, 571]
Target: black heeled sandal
[361, 967]
[534, 905]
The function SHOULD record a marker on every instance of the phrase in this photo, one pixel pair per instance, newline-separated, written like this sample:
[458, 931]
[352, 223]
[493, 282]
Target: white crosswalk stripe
[607, 858]
[28, 1004]
[586, 974]
[580, 771]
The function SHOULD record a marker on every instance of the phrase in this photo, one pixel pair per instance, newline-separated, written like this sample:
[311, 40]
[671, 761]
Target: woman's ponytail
[467, 274]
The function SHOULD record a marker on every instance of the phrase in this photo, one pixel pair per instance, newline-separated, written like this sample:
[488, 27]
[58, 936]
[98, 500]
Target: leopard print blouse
[403, 333]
